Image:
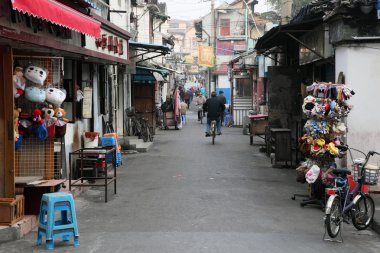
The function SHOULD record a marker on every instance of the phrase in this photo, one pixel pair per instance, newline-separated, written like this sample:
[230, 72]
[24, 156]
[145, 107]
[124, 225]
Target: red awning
[59, 14]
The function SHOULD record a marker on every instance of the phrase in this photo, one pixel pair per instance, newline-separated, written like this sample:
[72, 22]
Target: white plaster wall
[362, 71]
[223, 81]
[119, 19]
[142, 25]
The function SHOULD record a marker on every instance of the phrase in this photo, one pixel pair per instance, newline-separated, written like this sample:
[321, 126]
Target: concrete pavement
[187, 195]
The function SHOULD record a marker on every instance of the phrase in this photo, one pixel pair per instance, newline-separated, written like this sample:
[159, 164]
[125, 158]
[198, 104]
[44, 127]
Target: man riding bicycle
[214, 108]
[200, 100]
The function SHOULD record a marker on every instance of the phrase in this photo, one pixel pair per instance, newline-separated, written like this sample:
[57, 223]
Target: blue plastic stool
[110, 141]
[50, 227]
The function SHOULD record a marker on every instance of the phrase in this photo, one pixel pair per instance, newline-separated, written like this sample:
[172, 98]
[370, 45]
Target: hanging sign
[87, 103]
[205, 56]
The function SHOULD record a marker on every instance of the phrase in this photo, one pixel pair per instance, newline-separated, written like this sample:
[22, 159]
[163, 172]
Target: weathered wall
[283, 101]
[360, 64]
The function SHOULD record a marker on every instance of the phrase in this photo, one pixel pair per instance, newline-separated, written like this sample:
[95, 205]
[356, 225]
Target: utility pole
[213, 27]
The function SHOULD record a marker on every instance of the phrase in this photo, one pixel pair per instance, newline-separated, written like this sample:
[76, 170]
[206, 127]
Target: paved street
[187, 195]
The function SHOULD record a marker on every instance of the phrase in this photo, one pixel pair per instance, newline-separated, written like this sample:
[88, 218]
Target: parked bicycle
[146, 130]
[134, 126]
[356, 205]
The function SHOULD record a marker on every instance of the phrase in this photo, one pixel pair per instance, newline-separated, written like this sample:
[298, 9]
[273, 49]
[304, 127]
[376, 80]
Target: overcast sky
[193, 9]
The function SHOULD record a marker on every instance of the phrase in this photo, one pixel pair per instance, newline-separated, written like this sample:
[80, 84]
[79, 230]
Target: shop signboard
[108, 44]
[205, 56]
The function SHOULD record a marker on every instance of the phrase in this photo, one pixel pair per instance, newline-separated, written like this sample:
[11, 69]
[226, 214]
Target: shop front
[148, 80]
[50, 79]
[146, 86]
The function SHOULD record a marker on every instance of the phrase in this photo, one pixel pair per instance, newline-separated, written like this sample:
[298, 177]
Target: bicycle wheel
[150, 134]
[213, 131]
[144, 133]
[333, 219]
[362, 215]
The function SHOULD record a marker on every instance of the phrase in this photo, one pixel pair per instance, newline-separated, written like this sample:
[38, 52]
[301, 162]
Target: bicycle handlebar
[367, 156]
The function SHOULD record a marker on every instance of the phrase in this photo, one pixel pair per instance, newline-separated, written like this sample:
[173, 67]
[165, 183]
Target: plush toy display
[36, 75]
[16, 114]
[18, 82]
[324, 107]
[35, 94]
[55, 96]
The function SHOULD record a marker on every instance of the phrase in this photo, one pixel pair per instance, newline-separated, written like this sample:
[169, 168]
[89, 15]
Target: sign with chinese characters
[108, 44]
[205, 56]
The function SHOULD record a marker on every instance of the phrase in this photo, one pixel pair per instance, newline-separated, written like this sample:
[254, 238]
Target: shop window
[224, 27]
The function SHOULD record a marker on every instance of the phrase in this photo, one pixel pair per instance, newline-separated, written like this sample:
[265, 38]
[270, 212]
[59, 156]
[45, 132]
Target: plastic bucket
[91, 139]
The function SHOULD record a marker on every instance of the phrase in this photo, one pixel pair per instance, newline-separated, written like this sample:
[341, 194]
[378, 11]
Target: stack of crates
[110, 140]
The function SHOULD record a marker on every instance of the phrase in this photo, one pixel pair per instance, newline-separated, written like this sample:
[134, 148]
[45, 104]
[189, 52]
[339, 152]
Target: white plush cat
[55, 96]
[35, 74]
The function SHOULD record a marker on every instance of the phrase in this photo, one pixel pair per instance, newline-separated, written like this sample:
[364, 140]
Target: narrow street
[187, 195]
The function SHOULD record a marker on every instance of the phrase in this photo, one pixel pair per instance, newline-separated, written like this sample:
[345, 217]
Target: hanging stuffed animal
[39, 128]
[50, 120]
[60, 125]
[16, 114]
[60, 115]
[36, 74]
[48, 113]
[18, 82]
[37, 117]
[35, 94]
[55, 96]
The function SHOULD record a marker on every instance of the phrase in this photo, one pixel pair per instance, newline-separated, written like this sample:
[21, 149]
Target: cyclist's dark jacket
[214, 108]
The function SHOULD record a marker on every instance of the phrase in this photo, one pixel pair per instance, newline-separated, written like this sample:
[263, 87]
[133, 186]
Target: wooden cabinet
[280, 145]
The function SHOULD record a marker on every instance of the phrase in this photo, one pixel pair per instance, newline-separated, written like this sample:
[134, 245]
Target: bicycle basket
[370, 174]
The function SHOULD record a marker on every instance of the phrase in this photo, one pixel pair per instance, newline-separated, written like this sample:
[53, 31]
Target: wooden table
[33, 192]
